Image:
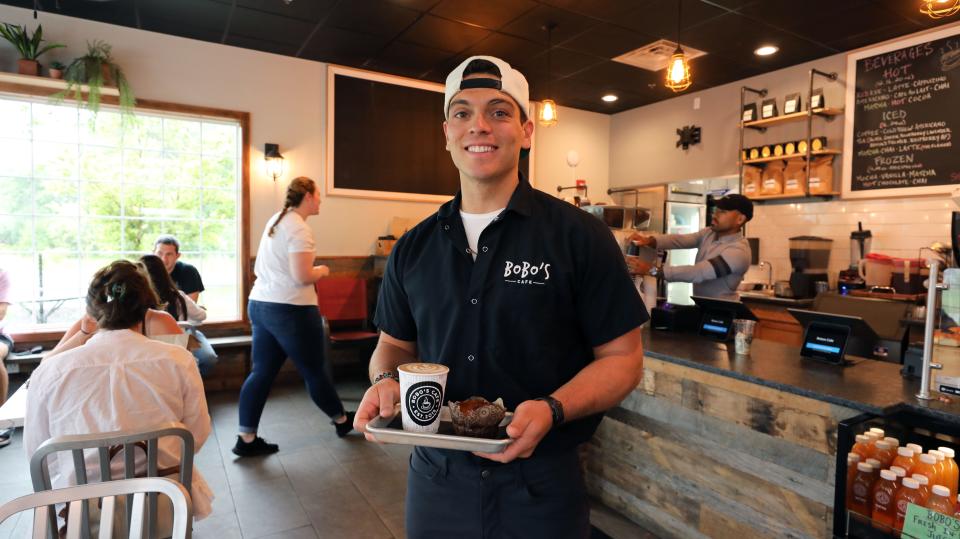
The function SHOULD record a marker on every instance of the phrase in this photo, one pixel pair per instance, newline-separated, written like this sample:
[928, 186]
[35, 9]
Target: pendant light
[938, 9]
[547, 114]
[678, 70]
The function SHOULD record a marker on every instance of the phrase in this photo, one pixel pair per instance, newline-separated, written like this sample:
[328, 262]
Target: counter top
[770, 298]
[868, 385]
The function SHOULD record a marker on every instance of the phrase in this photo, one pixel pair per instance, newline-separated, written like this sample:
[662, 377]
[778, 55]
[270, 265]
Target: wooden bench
[25, 363]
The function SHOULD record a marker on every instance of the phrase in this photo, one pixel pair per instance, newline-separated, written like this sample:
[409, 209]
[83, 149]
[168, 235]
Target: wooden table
[13, 411]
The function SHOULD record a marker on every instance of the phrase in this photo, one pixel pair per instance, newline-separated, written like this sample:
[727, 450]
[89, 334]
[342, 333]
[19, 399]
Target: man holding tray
[512, 289]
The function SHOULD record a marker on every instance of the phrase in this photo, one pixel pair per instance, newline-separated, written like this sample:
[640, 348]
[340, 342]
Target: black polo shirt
[549, 284]
[187, 278]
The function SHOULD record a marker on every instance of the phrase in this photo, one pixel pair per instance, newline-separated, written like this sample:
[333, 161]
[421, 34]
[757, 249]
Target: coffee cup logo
[423, 402]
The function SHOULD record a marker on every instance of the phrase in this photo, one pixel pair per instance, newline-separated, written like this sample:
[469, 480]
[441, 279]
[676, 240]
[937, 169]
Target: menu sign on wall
[901, 115]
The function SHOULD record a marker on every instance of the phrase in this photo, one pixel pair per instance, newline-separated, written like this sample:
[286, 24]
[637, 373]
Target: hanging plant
[95, 70]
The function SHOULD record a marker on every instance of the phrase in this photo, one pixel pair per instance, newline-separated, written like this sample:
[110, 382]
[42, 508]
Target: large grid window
[78, 191]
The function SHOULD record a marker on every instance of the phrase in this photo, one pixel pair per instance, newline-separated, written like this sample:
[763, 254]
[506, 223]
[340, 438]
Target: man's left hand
[531, 422]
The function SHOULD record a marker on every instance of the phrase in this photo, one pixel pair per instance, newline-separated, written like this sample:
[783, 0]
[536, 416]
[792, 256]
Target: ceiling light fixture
[678, 71]
[547, 115]
[609, 98]
[766, 50]
[938, 9]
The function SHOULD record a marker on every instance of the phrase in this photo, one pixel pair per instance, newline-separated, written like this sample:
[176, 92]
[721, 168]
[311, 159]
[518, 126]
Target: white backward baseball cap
[511, 82]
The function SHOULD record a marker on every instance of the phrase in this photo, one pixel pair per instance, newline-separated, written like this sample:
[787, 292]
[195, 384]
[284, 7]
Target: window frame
[243, 118]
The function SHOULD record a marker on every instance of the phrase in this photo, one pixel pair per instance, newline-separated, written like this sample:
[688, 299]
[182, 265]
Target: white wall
[285, 98]
[588, 133]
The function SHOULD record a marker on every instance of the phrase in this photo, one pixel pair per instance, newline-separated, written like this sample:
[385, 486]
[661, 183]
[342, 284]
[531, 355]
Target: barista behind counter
[723, 254]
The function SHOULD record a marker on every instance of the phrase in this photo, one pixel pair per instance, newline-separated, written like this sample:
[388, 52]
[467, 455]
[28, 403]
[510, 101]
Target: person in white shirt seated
[119, 379]
[183, 309]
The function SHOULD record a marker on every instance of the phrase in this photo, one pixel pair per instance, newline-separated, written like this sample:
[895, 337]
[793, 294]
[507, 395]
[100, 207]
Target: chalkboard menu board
[903, 105]
[385, 138]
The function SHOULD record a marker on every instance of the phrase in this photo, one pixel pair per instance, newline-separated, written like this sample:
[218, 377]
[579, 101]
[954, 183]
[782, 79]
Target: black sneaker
[5, 437]
[258, 447]
[344, 428]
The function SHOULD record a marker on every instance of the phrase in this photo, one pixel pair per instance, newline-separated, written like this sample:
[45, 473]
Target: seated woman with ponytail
[119, 379]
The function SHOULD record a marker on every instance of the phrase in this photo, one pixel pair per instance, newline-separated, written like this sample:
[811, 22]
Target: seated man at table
[118, 379]
[185, 276]
[6, 346]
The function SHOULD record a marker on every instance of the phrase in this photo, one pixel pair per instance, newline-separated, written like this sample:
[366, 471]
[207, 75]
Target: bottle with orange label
[885, 453]
[859, 501]
[940, 501]
[924, 487]
[901, 473]
[917, 451]
[907, 494]
[952, 480]
[904, 459]
[852, 460]
[927, 466]
[884, 511]
[876, 468]
[940, 466]
[873, 438]
[862, 446]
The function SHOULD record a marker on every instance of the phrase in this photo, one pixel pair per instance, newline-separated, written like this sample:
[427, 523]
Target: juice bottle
[884, 509]
[940, 467]
[892, 441]
[904, 459]
[859, 501]
[927, 467]
[885, 453]
[862, 447]
[940, 501]
[873, 438]
[852, 460]
[906, 495]
[876, 468]
[901, 473]
[924, 486]
[953, 471]
[878, 431]
[917, 451]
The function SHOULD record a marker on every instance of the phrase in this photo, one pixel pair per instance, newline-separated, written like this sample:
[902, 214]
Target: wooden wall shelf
[13, 80]
[796, 116]
[824, 151]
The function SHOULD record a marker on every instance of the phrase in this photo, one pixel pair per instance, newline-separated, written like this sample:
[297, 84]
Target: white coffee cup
[422, 388]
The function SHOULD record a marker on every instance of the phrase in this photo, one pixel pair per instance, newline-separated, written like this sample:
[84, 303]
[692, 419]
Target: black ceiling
[424, 39]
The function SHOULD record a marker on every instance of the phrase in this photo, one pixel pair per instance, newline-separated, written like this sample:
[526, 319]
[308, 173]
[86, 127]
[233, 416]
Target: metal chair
[128, 440]
[79, 496]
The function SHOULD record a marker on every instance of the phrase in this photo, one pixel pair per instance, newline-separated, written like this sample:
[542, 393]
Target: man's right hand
[380, 400]
[643, 240]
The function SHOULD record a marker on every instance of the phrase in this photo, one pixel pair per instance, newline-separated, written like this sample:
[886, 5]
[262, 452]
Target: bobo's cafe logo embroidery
[423, 402]
[526, 273]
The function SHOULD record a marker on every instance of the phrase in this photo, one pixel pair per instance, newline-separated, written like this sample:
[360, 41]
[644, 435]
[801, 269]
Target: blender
[809, 257]
[850, 278]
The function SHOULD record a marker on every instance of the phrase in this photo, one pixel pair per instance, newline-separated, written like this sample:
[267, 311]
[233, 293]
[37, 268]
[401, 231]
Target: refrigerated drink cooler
[932, 428]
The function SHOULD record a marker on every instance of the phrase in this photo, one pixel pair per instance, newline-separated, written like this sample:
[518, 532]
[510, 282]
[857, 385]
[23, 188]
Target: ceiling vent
[656, 56]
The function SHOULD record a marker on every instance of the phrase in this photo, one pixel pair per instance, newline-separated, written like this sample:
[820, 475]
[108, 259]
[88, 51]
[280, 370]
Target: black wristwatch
[556, 409]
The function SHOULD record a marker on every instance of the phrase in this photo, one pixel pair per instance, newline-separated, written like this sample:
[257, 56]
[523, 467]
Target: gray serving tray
[390, 430]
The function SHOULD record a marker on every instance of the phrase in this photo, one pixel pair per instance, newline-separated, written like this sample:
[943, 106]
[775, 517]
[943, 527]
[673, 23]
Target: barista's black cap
[737, 202]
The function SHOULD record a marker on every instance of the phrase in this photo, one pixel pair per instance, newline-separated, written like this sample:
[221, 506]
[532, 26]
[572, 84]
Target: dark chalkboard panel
[390, 138]
[905, 109]
[387, 138]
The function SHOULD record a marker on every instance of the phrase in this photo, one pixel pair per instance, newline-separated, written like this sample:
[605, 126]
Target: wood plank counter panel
[692, 454]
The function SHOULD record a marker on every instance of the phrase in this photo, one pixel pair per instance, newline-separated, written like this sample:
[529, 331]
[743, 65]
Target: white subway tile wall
[900, 227]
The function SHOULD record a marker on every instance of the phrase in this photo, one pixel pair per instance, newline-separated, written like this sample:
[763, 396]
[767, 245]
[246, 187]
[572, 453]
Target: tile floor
[317, 486]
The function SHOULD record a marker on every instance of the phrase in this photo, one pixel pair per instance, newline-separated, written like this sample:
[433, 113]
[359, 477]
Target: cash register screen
[716, 324]
[825, 342]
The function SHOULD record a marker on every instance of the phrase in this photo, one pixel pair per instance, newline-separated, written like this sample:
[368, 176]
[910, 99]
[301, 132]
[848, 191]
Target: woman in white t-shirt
[285, 319]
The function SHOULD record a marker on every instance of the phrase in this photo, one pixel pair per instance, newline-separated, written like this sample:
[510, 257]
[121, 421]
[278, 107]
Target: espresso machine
[850, 278]
[809, 257]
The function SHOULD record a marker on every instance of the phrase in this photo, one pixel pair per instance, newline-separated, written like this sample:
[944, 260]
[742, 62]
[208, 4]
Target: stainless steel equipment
[810, 257]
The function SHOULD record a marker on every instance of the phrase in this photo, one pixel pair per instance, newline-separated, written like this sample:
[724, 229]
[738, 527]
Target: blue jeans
[281, 330]
[206, 356]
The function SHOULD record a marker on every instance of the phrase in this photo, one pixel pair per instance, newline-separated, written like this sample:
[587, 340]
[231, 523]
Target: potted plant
[56, 70]
[95, 70]
[28, 46]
